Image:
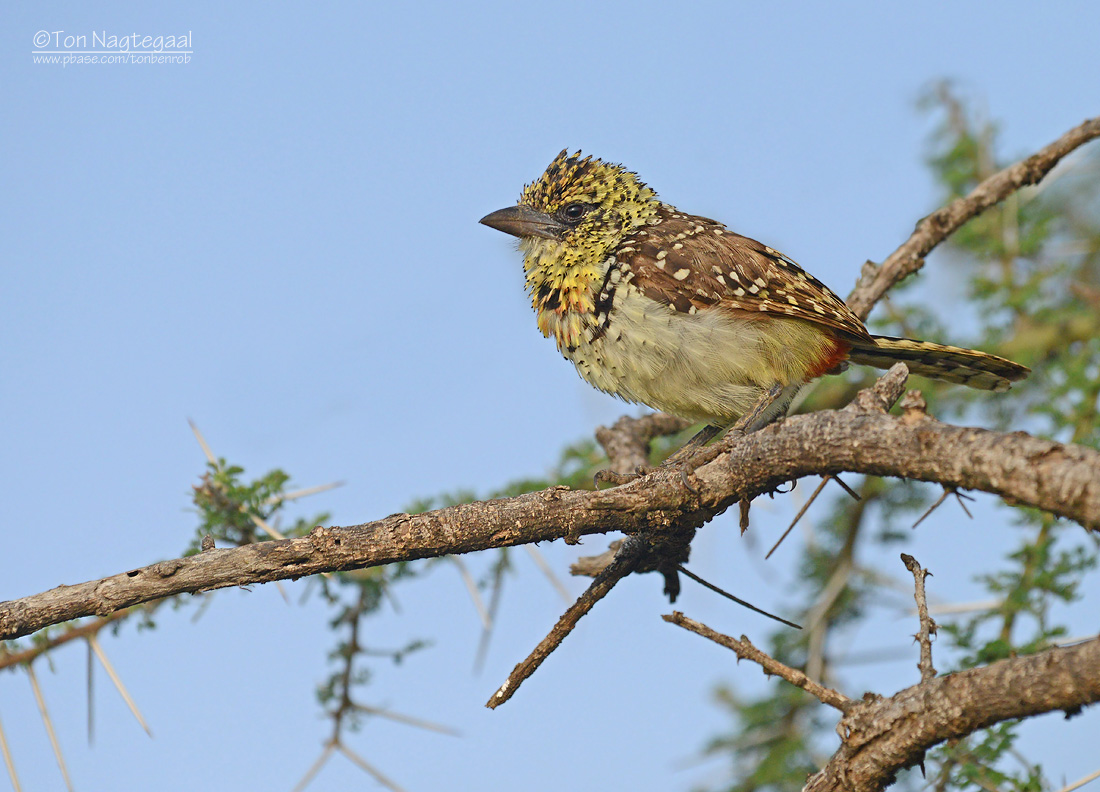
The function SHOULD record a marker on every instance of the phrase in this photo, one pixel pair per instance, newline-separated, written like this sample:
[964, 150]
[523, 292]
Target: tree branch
[861, 438]
[874, 281]
[87, 629]
[927, 625]
[744, 650]
[884, 735]
[626, 560]
[627, 441]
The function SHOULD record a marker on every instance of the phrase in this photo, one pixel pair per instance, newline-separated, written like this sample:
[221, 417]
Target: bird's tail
[947, 363]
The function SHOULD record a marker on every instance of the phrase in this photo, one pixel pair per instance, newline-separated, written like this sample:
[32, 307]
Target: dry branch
[744, 650]
[927, 625]
[72, 633]
[627, 558]
[1061, 479]
[881, 736]
[1064, 480]
[626, 442]
[874, 281]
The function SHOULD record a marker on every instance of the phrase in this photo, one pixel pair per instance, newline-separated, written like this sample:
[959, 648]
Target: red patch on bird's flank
[831, 362]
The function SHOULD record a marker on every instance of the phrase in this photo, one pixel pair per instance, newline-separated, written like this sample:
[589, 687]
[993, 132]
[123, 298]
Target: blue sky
[279, 240]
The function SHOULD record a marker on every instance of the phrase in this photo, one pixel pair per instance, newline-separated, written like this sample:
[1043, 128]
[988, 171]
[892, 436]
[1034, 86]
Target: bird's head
[578, 206]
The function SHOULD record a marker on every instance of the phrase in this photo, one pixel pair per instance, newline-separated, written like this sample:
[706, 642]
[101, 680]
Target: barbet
[679, 313]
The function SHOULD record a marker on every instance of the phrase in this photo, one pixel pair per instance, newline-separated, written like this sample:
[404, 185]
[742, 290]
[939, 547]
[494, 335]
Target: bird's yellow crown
[620, 196]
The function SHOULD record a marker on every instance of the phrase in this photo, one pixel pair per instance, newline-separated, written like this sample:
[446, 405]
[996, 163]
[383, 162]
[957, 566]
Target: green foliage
[231, 509]
[771, 743]
[972, 765]
[1036, 576]
[234, 510]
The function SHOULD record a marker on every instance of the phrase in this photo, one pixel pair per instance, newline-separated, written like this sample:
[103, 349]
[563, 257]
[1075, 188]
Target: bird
[679, 313]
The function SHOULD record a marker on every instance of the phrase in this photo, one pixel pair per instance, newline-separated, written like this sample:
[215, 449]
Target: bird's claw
[617, 479]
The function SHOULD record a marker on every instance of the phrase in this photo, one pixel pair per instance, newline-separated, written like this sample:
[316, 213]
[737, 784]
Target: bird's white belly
[708, 366]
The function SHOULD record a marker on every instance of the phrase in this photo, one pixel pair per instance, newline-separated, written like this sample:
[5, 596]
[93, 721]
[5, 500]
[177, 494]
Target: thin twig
[626, 560]
[8, 761]
[744, 649]
[851, 439]
[406, 719]
[1081, 782]
[367, 767]
[548, 572]
[81, 630]
[93, 642]
[346, 679]
[738, 600]
[314, 768]
[797, 517]
[41, 701]
[927, 626]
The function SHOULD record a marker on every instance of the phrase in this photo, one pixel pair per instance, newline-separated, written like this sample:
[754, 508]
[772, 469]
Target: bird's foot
[684, 461]
[618, 479]
[684, 465]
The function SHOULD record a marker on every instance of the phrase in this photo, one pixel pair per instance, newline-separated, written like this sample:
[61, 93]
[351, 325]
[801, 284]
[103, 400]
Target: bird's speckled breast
[708, 366]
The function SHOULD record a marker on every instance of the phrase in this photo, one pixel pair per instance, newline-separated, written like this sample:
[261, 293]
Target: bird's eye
[573, 212]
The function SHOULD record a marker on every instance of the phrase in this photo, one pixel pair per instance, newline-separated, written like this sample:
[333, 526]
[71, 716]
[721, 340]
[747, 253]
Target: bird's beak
[523, 221]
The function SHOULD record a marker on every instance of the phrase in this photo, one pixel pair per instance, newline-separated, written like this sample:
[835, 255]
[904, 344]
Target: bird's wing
[690, 263]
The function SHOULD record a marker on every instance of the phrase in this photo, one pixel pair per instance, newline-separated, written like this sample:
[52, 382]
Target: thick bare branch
[874, 282]
[884, 735]
[862, 438]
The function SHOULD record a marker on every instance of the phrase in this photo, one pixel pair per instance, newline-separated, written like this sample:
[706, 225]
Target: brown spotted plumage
[680, 313]
[695, 263]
